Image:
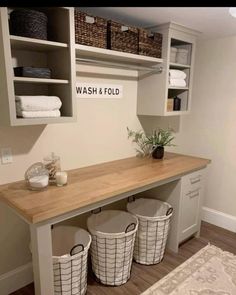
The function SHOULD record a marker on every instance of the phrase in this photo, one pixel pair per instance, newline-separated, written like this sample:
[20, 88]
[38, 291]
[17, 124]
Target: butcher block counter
[93, 184]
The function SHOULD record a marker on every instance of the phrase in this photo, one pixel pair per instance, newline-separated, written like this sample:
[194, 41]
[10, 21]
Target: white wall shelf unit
[154, 90]
[56, 53]
[60, 53]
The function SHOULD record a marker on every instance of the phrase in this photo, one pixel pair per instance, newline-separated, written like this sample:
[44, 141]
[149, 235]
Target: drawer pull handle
[195, 180]
[194, 195]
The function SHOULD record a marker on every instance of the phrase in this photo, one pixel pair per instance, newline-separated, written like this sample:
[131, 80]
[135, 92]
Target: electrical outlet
[6, 155]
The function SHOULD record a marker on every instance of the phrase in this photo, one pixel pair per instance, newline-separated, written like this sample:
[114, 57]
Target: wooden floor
[142, 277]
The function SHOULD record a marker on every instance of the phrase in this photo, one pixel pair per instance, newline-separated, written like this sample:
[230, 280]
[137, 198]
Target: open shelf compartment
[184, 96]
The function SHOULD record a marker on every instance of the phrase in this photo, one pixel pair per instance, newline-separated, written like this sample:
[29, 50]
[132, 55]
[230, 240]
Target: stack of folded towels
[177, 78]
[38, 106]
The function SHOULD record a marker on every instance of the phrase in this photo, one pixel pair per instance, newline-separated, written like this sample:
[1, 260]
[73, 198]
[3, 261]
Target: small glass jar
[53, 165]
[37, 176]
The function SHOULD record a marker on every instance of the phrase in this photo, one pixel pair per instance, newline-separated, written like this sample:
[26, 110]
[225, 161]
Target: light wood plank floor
[143, 277]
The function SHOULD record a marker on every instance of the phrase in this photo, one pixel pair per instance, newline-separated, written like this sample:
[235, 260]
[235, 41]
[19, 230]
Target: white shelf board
[40, 80]
[177, 113]
[115, 56]
[178, 88]
[25, 43]
[41, 121]
[179, 66]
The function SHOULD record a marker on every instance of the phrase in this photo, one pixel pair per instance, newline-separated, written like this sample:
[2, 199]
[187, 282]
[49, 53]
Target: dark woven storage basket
[91, 34]
[32, 72]
[122, 38]
[28, 23]
[150, 45]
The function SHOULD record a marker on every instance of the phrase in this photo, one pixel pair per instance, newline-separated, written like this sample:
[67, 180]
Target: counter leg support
[41, 242]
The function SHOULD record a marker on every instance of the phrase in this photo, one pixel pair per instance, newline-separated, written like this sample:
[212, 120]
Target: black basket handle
[96, 211]
[131, 199]
[169, 211]
[72, 252]
[129, 227]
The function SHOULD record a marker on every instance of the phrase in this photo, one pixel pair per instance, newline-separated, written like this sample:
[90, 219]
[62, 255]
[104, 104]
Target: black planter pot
[158, 152]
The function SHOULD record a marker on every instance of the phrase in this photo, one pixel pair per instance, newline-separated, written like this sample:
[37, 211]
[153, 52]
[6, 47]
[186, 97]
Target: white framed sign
[95, 90]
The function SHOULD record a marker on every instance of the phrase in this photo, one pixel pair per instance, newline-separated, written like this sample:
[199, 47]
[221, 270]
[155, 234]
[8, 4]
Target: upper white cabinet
[58, 54]
[154, 90]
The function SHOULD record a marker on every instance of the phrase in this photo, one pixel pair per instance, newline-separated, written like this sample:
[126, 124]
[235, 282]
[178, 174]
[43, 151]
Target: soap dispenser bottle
[177, 103]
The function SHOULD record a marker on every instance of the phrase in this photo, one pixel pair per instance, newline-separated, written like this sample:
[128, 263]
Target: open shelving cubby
[181, 92]
[154, 91]
[56, 53]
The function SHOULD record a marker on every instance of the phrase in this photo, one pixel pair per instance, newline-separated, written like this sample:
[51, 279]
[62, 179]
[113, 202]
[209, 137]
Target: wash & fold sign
[91, 90]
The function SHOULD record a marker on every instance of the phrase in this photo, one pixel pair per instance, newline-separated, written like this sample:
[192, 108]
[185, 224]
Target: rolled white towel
[177, 74]
[38, 114]
[177, 82]
[38, 103]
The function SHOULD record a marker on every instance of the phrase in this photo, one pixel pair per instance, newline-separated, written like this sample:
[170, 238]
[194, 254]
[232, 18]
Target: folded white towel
[38, 103]
[177, 74]
[177, 82]
[38, 114]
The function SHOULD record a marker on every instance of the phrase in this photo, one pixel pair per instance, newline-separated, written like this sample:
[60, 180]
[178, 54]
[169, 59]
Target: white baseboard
[16, 279]
[218, 218]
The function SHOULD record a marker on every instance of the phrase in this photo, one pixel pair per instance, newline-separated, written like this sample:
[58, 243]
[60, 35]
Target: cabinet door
[190, 209]
[192, 188]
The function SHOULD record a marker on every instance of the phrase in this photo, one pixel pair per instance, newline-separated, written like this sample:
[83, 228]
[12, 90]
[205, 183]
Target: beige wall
[99, 135]
[210, 130]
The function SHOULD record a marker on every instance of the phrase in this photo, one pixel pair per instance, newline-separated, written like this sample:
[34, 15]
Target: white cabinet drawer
[193, 181]
[190, 208]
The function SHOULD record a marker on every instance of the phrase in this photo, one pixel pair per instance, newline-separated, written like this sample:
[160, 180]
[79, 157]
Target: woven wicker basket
[28, 23]
[122, 38]
[89, 30]
[150, 44]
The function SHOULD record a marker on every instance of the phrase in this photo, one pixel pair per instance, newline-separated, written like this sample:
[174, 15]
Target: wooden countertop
[95, 183]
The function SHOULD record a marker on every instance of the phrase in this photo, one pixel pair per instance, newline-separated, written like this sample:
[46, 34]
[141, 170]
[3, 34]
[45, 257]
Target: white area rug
[211, 271]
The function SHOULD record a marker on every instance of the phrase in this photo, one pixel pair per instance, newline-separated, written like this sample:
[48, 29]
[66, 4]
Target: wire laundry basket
[154, 224]
[70, 247]
[113, 235]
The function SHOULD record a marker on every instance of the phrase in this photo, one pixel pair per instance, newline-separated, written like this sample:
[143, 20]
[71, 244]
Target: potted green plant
[151, 145]
[159, 139]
